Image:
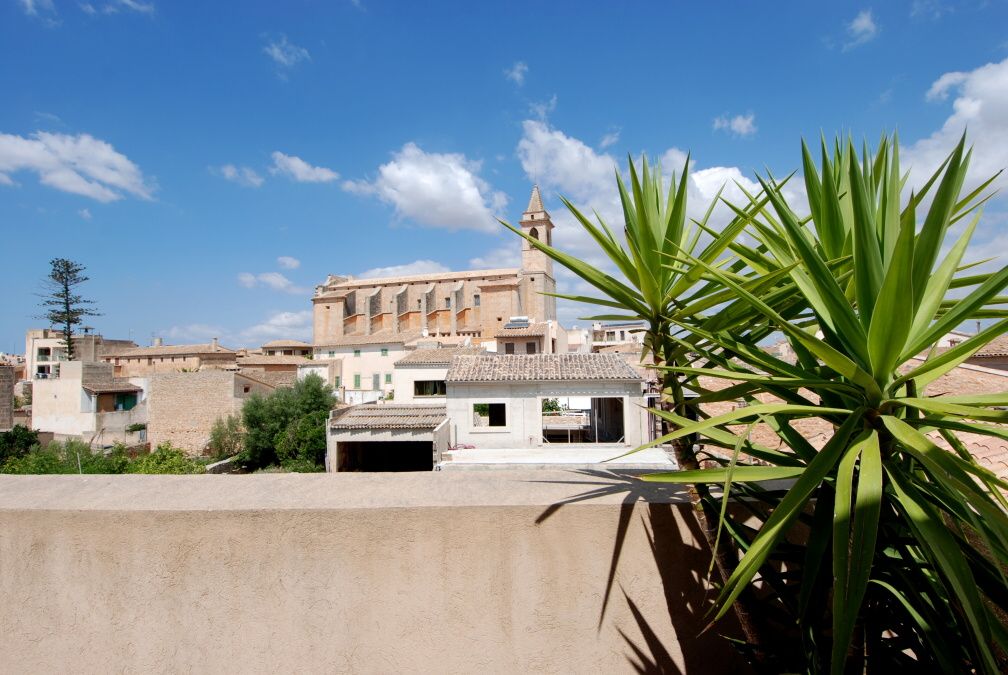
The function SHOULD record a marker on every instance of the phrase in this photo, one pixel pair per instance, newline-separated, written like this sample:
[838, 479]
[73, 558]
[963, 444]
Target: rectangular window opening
[429, 388]
[489, 415]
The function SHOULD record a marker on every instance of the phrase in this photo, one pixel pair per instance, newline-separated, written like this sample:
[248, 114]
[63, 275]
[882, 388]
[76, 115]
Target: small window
[332, 354]
[337, 381]
[356, 381]
[489, 415]
[447, 303]
[388, 378]
[509, 348]
[530, 348]
[246, 389]
[356, 352]
[429, 388]
[534, 233]
[384, 351]
[476, 300]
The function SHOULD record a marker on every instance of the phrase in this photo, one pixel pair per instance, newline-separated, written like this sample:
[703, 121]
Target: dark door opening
[386, 456]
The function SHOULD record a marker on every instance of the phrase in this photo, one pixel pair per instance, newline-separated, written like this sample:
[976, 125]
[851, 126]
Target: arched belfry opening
[534, 233]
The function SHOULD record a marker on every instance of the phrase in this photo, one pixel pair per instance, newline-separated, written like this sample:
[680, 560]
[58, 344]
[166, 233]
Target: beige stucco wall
[6, 396]
[182, 407]
[450, 572]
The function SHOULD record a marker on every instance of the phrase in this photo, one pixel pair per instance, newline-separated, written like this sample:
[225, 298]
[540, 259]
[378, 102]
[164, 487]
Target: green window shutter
[337, 381]
[356, 381]
[356, 352]
[384, 352]
[388, 378]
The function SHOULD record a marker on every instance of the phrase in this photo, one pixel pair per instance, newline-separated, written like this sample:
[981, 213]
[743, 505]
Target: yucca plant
[652, 287]
[904, 540]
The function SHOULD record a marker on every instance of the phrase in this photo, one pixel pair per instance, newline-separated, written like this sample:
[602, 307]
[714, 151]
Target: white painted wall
[405, 376]
[366, 365]
[524, 410]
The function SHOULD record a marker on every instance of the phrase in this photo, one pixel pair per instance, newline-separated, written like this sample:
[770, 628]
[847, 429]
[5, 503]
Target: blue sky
[211, 163]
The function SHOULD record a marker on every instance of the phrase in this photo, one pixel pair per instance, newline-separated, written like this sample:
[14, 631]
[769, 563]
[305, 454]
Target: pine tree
[63, 307]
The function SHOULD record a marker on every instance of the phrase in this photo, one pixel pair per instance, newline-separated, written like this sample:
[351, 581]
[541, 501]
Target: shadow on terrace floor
[682, 558]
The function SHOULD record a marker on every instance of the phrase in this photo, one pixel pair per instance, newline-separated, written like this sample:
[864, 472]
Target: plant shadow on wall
[681, 558]
[887, 545]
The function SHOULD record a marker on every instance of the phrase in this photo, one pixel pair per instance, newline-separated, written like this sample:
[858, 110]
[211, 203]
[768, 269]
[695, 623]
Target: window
[246, 389]
[447, 303]
[384, 351]
[125, 401]
[337, 381]
[356, 352]
[332, 354]
[530, 348]
[509, 348]
[476, 300]
[489, 415]
[429, 388]
[356, 381]
[534, 233]
[388, 378]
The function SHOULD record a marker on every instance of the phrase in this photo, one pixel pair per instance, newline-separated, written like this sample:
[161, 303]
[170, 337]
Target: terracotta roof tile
[437, 357]
[113, 387]
[540, 367]
[381, 337]
[533, 330]
[171, 350]
[389, 416]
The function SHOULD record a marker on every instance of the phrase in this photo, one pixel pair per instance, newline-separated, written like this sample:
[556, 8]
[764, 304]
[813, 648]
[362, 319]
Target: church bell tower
[536, 223]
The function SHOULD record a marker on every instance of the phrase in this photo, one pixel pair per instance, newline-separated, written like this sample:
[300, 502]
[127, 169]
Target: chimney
[213, 345]
[158, 342]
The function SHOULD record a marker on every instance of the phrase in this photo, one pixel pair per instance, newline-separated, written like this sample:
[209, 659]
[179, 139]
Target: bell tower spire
[536, 223]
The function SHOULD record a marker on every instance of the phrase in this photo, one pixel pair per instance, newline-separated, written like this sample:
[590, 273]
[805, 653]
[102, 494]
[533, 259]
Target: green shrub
[166, 460]
[38, 461]
[17, 442]
[226, 437]
[303, 442]
[267, 419]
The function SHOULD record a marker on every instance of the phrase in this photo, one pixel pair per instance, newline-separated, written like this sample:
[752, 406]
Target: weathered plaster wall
[440, 572]
[6, 396]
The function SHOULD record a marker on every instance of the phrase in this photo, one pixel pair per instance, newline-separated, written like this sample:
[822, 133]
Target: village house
[520, 335]
[162, 358]
[419, 377]
[286, 348]
[45, 351]
[183, 407]
[87, 402]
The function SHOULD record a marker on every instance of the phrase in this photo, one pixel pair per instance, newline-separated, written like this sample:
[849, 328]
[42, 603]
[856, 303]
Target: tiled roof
[540, 367]
[437, 276]
[282, 378]
[532, 330]
[286, 343]
[112, 387]
[437, 357]
[389, 416]
[996, 347]
[171, 350]
[381, 337]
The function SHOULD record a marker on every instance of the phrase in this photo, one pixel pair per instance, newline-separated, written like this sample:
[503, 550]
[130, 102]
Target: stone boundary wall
[6, 397]
[445, 572]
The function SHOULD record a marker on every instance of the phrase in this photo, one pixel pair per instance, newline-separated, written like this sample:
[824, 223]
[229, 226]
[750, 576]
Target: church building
[476, 303]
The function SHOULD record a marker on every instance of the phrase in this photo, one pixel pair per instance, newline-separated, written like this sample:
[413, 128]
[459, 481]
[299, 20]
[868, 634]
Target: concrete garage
[379, 437]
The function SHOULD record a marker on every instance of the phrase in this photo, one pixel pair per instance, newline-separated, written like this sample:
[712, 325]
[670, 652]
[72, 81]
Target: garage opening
[386, 456]
[583, 419]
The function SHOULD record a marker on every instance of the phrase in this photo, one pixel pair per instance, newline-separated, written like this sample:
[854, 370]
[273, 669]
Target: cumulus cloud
[740, 125]
[285, 53]
[85, 214]
[980, 105]
[610, 138]
[435, 189]
[297, 325]
[80, 164]
[273, 280]
[288, 263]
[300, 170]
[405, 270]
[542, 109]
[516, 73]
[861, 29]
[242, 175]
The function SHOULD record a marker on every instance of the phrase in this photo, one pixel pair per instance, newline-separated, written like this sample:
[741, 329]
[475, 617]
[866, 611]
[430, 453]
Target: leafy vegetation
[166, 459]
[288, 426]
[75, 457]
[226, 437]
[551, 405]
[888, 545]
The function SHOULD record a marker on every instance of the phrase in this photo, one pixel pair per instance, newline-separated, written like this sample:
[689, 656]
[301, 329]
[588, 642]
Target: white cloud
[740, 125]
[288, 263]
[405, 270]
[542, 109]
[285, 53]
[88, 8]
[300, 170]
[516, 73]
[861, 29]
[273, 280]
[297, 325]
[563, 162]
[242, 175]
[435, 189]
[43, 10]
[193, 332]
[981, 106]
[130, 5]
[79, 164]
[5, 179]
[85, 214]
[610, 138]
[502, 257]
